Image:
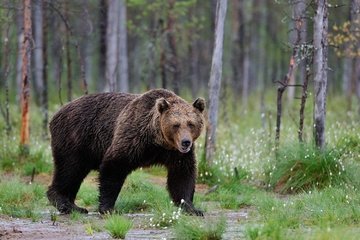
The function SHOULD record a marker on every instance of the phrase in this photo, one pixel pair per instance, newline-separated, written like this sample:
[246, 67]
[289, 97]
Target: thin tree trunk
[6, 80]
[172, 63]
[355, 25]
[20, 37]
[193, 55]
[162, 55]
[38, 57]
[102, 44]
[111, 51]
[25, 94]
[122, 48]
[303, 99]
[237, 35]
[246, 60]
[68, 59]
[285, 83]
[44, 98]
[215, 80]
[298, 17]
[320, 71]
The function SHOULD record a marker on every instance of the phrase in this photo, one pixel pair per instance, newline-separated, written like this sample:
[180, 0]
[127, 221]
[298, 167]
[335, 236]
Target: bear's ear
[199, 104]
[162, 104]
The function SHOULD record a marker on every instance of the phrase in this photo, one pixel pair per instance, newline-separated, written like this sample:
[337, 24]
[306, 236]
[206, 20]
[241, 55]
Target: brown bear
[116, 133]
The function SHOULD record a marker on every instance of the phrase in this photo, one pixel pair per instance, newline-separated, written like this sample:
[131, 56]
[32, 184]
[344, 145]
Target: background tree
[25, 73]
[111, 48]
[320, 70]
[215, 80]
[122, 49]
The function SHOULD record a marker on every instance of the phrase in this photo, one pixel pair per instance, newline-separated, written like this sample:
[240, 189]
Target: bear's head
[181, 123]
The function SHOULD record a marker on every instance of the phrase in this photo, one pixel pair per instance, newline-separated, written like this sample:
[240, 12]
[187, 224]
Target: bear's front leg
[111, 180]
[181, 185]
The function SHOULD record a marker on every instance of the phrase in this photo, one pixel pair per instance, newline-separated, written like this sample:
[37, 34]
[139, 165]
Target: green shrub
[198, 228]
[117, 225]
[302, 168]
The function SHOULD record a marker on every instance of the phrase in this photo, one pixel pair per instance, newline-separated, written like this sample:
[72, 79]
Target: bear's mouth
[184, 149]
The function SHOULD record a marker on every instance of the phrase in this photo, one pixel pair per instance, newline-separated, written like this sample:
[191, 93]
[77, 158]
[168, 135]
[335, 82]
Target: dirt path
[11, 228]
[65, 228]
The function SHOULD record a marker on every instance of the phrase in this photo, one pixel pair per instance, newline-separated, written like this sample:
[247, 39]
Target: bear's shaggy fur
[116, 133]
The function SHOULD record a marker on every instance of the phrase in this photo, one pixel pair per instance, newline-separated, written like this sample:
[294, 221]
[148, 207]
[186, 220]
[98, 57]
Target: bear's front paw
[197, 212]
[105, 210]
[192, 210]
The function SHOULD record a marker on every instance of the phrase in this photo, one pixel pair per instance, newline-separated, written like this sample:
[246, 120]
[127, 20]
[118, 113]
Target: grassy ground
[295, 193]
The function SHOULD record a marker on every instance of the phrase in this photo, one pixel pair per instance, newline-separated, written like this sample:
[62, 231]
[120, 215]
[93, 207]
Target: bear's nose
[185, 143]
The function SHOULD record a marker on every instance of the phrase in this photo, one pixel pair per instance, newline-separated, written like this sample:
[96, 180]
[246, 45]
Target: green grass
[117, 225]
[330, 208]
[38, 160]
[200, 229]
[301, 168]
[138, 195]
[88, 195]
[19, 199]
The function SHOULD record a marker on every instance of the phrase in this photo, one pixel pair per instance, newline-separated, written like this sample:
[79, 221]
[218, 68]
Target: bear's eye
[176, 126]
[191, 125]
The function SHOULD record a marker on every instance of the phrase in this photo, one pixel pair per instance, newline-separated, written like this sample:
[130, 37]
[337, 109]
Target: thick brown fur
[116, 133]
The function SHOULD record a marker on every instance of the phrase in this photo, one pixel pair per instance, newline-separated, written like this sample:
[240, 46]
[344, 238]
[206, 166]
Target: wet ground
[65, 228]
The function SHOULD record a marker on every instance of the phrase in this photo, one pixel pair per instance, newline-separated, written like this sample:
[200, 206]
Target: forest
[279, 157]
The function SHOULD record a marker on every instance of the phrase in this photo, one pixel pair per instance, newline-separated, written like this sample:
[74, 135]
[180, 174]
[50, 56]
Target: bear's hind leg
[65, 185]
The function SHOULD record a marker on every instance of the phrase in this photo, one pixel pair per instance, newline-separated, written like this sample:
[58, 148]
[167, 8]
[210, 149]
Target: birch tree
[38, 52]
[122, 49]
[25, 77]
[111, 48]
[320, 71]
[215, 80]
[40, 60]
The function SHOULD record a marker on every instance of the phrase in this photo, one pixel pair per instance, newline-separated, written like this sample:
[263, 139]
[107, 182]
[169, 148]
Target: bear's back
[86, 125]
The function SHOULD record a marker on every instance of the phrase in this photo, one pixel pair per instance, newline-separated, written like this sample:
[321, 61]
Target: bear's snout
[185, 145]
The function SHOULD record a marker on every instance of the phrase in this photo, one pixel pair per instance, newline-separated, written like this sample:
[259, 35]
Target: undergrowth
[19, 199]
[195, 228]
[301, 168]
[117, 225]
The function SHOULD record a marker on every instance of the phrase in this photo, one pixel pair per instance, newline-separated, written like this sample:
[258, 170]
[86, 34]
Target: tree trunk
[38, 51]
[355, 78]
[111, 38]
[193, 56]
[6, 63]
[102, 45]
[44, 94]
[236, 54]
[172, 63]
[68, 59]
[20, 37]
[320, 71]
[304, 96]
[122, 49]
[296, 31]
[25, 78]
[162, 55]
[246, 60]
[215, 80]
[40, 62]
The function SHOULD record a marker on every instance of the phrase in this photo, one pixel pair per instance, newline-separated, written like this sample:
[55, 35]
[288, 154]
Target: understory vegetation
[294, 191]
